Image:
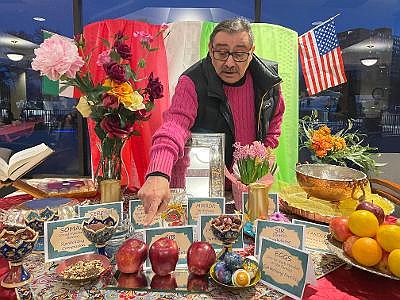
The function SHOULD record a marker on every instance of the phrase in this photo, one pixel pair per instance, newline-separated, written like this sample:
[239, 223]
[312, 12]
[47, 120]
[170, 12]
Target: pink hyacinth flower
[57, 56]
[103, 58]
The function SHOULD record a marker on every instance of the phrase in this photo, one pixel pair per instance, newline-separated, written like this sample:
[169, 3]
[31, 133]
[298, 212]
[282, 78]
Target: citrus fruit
[388, 236]
[363, 223]
[394, 262]
[366, 251]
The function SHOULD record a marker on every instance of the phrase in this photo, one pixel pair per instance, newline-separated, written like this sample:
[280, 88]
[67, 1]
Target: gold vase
[258, 201]
[110, 190]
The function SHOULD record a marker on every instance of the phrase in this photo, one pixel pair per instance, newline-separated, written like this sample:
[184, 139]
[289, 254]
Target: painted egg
[224, 275]
[250, 264]
[241, 278]
[233, 261]
[219, 265]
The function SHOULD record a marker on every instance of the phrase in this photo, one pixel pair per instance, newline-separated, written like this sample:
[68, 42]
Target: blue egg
[219, 265]
[224, 276]
[233, 261]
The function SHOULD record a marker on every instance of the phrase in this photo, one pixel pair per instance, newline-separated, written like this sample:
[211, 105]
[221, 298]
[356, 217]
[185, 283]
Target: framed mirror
[201, 170]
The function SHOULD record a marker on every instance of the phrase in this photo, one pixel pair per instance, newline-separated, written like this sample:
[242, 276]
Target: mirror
[201, 170]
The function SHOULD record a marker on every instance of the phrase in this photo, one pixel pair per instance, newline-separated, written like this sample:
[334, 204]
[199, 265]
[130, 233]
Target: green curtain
[279, 44]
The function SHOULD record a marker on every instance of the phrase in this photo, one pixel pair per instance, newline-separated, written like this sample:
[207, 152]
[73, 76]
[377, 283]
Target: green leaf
[142, 63]
[115, 56]
[99, 132]
[105, 42]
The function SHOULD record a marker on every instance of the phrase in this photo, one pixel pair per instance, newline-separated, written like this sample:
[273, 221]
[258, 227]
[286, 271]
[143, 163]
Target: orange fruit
[394, 262]
[363, 223]
[366, 251]
[388, 236]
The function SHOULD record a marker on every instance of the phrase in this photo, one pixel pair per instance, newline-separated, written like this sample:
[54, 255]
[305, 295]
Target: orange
[394, 262]
[363, 223]
[388, 236]
[366, 251]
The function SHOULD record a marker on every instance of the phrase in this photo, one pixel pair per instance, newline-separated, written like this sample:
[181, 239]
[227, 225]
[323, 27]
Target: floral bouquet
[114, 104]
[342, 148]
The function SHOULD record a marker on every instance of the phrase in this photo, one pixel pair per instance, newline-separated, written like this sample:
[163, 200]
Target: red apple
[339, 228]
[131, 255]
[164, 254]
[348, 243]
[131, 281]
[197, 283]
[167, 282]
[375, 209]
[200, 258]
[383, 263]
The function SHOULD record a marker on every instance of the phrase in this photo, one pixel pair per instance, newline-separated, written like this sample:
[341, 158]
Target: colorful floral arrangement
[114, 104]
[252, 162]
[341, 148]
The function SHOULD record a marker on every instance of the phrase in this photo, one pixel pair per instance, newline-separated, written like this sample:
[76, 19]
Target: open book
[14, 166]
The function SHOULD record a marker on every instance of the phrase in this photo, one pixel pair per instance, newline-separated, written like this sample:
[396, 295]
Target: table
[12, 132]
[343, 283]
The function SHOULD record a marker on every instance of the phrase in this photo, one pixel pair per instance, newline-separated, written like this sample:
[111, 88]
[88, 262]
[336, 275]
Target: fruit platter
[368, 240]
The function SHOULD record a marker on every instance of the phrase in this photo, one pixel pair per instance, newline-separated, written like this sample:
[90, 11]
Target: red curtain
[135, 154]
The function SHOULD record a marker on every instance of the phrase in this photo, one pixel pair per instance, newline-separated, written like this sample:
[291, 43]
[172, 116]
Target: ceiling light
[369, 61]
[15, 56]
[39, 19]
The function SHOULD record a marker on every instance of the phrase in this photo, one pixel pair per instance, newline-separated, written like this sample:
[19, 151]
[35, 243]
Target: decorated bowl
[253, 281]
[100, 229]
[17, 242]
[330, 182]
[226, 228]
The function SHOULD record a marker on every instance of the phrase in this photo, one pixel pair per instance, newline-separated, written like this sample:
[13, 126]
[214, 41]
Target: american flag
[321, 58]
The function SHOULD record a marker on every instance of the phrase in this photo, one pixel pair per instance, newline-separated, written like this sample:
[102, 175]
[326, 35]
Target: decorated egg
[250, 264]
[219, 265]
[224, 275]
[241, 278]
[233, 261]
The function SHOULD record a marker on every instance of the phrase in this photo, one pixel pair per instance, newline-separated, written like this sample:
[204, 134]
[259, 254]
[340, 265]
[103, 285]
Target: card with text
[205, 233]
[100, 210]
[273, 204]
[137, 215]
[285, 233]
[285, 268]
[204, 206]
[314, 236]
[183, 235]
[64, 238]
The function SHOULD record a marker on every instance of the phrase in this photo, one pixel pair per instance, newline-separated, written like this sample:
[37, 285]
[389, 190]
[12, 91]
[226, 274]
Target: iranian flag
[51, 87]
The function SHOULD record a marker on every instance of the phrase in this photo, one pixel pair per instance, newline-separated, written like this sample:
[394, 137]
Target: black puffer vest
[214, 114]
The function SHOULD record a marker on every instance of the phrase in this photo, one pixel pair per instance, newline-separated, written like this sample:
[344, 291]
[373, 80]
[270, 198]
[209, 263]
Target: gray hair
[232, 26]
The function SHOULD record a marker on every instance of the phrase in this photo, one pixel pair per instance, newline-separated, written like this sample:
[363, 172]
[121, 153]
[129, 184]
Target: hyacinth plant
[345, 147]
[115, 104]
[252, 162]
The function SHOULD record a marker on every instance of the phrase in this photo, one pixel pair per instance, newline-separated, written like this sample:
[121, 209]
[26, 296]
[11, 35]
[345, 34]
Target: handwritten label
[137, 215]
[204, 206]
[315, 235]
[101, 211]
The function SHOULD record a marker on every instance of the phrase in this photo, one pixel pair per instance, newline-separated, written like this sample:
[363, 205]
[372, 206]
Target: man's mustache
[229, 70]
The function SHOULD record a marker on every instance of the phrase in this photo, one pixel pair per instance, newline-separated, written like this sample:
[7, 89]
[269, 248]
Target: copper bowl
[330, 182]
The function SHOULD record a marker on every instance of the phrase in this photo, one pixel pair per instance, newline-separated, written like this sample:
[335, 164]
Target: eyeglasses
[224, 55]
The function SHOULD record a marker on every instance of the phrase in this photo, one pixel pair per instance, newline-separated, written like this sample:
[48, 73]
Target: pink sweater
[169, 140]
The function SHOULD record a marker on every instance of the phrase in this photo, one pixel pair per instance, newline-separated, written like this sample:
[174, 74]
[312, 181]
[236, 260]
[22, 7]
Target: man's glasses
[224, 55]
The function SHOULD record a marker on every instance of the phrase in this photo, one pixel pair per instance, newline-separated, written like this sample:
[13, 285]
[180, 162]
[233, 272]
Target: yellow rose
[132, 100]
[136, 102]
[83, 107]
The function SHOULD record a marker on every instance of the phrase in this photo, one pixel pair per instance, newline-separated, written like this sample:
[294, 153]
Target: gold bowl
[330, 182]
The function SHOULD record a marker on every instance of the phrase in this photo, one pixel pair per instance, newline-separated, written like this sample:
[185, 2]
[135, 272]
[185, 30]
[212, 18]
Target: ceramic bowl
[226, 228]
[330, 182]
[99, 230]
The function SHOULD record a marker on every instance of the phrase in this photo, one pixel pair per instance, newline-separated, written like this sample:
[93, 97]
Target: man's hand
[155, 195]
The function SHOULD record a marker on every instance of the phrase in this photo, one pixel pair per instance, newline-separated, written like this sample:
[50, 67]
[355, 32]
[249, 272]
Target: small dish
[253, 282]
[83, 268]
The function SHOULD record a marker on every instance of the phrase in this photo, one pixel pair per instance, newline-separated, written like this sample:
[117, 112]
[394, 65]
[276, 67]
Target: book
[12, 167]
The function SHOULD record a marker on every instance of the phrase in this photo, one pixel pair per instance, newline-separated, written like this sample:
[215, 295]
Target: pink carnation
[143, 36]
[57, 56]
[103, 58]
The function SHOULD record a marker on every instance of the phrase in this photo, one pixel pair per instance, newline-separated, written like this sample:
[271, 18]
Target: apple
[200, 257]
[348, 243]
[375, 209]
[339, 228]
[383, 263]
[131, 255]
[197, 283]
[131, 281]
[167, 282]
[164, 254]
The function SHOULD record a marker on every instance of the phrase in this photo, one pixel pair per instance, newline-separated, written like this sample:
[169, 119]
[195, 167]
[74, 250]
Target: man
[230, 91]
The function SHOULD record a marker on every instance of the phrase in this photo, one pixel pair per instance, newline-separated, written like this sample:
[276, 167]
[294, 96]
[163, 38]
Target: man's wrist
[158, 174]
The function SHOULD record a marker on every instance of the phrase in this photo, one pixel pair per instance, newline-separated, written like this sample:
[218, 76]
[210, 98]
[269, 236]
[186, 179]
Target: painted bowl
[253, 281]
[330, 182]
[17, 242]
[226, 228]
[100, 229]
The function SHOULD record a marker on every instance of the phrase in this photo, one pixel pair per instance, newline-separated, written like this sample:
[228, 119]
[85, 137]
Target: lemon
[363, 223]
[388, 236]
[394, 262]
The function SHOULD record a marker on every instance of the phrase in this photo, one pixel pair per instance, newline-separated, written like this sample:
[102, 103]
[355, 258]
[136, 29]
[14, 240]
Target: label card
[64, 238]
[315, 236]
[204, 206]
[100, 210]
[205, 233]
[285, 268]
[137, 215]
[285, 233]
[273, 205]
[183, 235]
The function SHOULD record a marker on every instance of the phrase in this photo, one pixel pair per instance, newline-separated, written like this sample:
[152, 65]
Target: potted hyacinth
[116, 103]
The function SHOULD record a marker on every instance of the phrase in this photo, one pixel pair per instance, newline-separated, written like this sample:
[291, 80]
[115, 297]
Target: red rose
[143, 114]
[154, 88]
[115, 71]
[123, 50]
[112, 126]
[110, 101]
